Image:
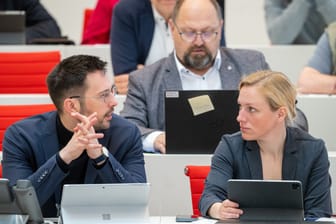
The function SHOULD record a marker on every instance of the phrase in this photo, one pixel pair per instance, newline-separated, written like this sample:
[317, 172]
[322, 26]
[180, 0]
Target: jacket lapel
[49, 140]
[230, 72]
[290, 157]
[146, 30]
[254, 160]
[50, 143]
[171, 77]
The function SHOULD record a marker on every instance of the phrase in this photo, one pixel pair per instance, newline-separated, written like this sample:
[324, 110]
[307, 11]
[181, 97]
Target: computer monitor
[12, 27]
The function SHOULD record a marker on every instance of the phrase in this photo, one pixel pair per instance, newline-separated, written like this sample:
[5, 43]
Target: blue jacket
[305, 159]
[131, 34]
[30, 147]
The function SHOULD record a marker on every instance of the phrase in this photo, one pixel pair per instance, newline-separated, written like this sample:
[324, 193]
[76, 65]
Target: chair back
[87, 15]
[197, 176]
[26, 72]
[12, 113]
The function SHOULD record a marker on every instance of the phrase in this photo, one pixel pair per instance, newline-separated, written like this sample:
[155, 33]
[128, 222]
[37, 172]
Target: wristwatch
[102, 157]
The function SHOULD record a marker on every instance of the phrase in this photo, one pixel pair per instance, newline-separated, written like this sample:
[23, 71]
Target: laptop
[195, 120]
[267, 201]
[12, 27]
[105, 203]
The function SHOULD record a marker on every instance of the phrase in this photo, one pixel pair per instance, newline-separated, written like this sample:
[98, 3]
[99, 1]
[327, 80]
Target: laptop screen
[105, 203]
[196, 119]
[12, 27]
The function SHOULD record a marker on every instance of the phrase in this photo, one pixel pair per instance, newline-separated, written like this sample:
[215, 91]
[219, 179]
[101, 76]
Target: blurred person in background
[99, 24]
[298, 21]
[39, 23]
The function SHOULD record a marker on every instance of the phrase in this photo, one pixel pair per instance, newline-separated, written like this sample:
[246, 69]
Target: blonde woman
[268, 148]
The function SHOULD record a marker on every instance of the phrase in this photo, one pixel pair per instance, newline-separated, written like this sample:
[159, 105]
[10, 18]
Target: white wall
[244, 19]
[69, 15]
[245, 22]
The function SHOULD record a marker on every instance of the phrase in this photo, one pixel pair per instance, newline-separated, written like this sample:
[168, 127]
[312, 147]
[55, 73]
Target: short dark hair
[68, 77]
[179, 3]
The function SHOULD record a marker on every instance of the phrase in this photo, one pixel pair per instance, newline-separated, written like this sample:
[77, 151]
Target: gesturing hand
[84, 137]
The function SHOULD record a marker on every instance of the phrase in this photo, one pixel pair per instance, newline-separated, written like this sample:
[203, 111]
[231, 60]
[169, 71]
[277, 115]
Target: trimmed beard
[198, 62]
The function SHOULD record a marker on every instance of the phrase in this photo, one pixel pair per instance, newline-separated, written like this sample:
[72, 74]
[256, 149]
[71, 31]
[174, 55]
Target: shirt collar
[157, 17]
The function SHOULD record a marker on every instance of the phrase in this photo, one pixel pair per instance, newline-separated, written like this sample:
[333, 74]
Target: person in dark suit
[198, 62]
[140, 35]
[39, 23]
[81, 142]
[268, 148]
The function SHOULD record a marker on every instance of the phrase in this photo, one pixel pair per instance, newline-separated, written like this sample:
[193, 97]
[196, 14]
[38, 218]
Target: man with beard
[140, 36]
[198, 62]
[81, 142]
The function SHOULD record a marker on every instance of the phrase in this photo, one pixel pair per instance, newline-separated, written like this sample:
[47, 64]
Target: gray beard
[197, 62]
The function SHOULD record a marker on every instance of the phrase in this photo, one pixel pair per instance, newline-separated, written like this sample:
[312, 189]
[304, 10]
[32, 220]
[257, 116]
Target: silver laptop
[12, 27]
[105, 203]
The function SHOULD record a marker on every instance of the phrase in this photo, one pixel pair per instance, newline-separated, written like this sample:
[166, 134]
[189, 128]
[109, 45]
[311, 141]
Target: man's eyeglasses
[104, 96]
[190, 36]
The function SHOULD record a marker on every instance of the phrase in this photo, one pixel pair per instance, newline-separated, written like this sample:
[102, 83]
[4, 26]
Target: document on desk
[326, 220]
[205, 221]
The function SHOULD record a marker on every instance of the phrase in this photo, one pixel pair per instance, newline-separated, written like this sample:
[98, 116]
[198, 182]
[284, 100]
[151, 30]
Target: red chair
[87, 14]
[12, 113]
[26, 72]
[197, 176]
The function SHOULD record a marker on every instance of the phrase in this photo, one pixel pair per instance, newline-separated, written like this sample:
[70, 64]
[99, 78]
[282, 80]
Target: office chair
[197, 176]
[26, 72]
[12, 113]
[87, 14]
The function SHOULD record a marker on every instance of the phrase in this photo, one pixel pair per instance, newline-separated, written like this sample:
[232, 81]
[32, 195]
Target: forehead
[97, 81]
[251, 95]
[202, 14]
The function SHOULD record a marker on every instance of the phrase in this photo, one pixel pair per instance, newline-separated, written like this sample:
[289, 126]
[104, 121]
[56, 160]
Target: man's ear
[71, 105]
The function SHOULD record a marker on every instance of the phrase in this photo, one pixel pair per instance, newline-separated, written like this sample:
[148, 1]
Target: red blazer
[99, 25]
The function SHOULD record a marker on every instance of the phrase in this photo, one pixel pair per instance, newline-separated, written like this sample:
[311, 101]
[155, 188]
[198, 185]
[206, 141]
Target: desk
[100, 50]
[16, 99]
[289, 59]
[320, 111]
[170, 191]
[156, 220]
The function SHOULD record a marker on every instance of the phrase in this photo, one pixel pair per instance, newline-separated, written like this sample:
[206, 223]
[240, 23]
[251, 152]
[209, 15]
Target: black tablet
[268, 200]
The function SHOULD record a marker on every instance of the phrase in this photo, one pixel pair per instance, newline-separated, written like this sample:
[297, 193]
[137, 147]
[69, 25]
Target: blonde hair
[276, 88]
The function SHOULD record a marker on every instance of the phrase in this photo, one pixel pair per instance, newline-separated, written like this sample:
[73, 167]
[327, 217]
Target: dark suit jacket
[39, 23]
[144, 103]
[132, 33]
[30, 147]
[305, 159]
